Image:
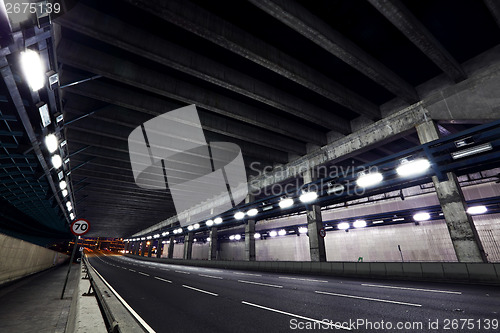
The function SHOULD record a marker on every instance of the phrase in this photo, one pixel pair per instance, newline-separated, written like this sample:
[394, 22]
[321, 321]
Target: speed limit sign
[80, 227]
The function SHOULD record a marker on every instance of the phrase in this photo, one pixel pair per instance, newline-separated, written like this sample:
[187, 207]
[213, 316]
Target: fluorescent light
[32, 67]
[252, 212]
[256, 235]
[477, 210]
[56, 161]
[175, 231]
[209, 223]
[208, 239]
[370, 179]
[237, 237]
[231, 237]
[413, 167]
[239, 215]
[157, 236]
[196, 226]
[149, 237]
[70, 208]
[194, 240]
[64, 193]
[471, 151]
[218, 220]
[343, 226]
[72, 216]
[335, 188]
[302, 230]
[423, 216]
[190, 227]
[398, 219]
[143, 238]
[164, 233]
[308, 197]
[359, 224]
[286, 202]
[267, 208]
[44, 114]
[62, 184]
[68, 204]
[51, 143]
[378, 221]
[273, 233]
[282, 232]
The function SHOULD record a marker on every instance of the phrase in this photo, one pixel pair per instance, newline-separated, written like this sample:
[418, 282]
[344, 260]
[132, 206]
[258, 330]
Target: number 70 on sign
[80, 227]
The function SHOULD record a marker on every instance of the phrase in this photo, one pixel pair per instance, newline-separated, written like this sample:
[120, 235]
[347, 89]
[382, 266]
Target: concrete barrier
[481, 273]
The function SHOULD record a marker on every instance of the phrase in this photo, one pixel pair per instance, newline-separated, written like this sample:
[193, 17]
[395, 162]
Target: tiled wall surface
[19, 258]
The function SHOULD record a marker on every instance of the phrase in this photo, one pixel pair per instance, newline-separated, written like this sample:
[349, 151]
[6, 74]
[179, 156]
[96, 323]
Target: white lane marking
[201, 291]
[210, 276]
[158, 278]
[312, 280]
[416, 289]
[164, 269]
[131, 270]
[143, 273]
[247, 274]
[182, 272]
[261, 284]
[297, 316]
[368, 298]
[129, 308]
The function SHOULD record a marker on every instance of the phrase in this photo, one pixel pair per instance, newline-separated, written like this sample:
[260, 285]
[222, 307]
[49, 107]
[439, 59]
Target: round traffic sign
[322, 232]
[80, 227]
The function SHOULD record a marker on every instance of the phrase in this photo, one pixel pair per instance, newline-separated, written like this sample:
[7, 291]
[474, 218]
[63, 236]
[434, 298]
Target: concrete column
[170, 253]
[143, 248]
[249, 235]
[136, 248]
[159, 248]
[314, 224]
[212, 245]
[463, 233]
[188, 245]
[150, 248]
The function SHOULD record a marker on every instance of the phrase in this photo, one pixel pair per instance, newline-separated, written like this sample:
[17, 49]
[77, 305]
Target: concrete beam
[494, 7]
[463, 233]
[129, 73]
[417, 33]
[304, 22]
[202, 23]
[106, 28]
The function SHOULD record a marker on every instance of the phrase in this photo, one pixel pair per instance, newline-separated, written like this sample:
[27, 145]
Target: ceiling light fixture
[286, 202]
[415, 167]
[370, 179]
[308, 197]
[32, 66]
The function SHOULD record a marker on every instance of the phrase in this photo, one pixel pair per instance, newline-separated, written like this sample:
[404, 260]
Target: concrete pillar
[143, 248]
[170, 253]
[188, 245]
[159, 248]
[463, 233]
[137, 248]
[249, 235]
[150, 248]
[212, 245]
[314, 224]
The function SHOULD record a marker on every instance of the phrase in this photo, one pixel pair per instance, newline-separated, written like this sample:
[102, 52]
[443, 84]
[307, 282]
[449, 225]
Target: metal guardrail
[116, 313]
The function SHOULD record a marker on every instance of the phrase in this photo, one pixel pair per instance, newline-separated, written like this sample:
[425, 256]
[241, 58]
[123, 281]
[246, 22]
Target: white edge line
[182, 272]
[247, 274]
[297, 316]
[131, 270]
[159, 278]
[143, 274]
[416, 289]
[128, 307]
[312, 280]
[368, 298]
[200, 290]
[261, 284]
[210, 276]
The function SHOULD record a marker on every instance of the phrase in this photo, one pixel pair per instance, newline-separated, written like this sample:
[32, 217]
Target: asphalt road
[172, 298]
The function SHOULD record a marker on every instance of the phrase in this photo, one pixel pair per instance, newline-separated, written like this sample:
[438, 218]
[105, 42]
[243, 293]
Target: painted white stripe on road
[368, 298]
[247, 274]
[297, 316]
[182, 272]
[158, 278]
[312, 280]
[415, 289]
[211, 276]
[143, 273]
[128, 307]
[201, 291]
[131, 270]
[164, 269]
[261, 284]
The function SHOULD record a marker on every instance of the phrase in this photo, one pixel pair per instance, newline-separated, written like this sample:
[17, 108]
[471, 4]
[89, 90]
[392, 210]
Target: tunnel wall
[19, 258]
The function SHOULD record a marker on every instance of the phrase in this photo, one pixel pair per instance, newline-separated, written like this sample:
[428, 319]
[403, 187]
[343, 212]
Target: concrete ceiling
[279, 78]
